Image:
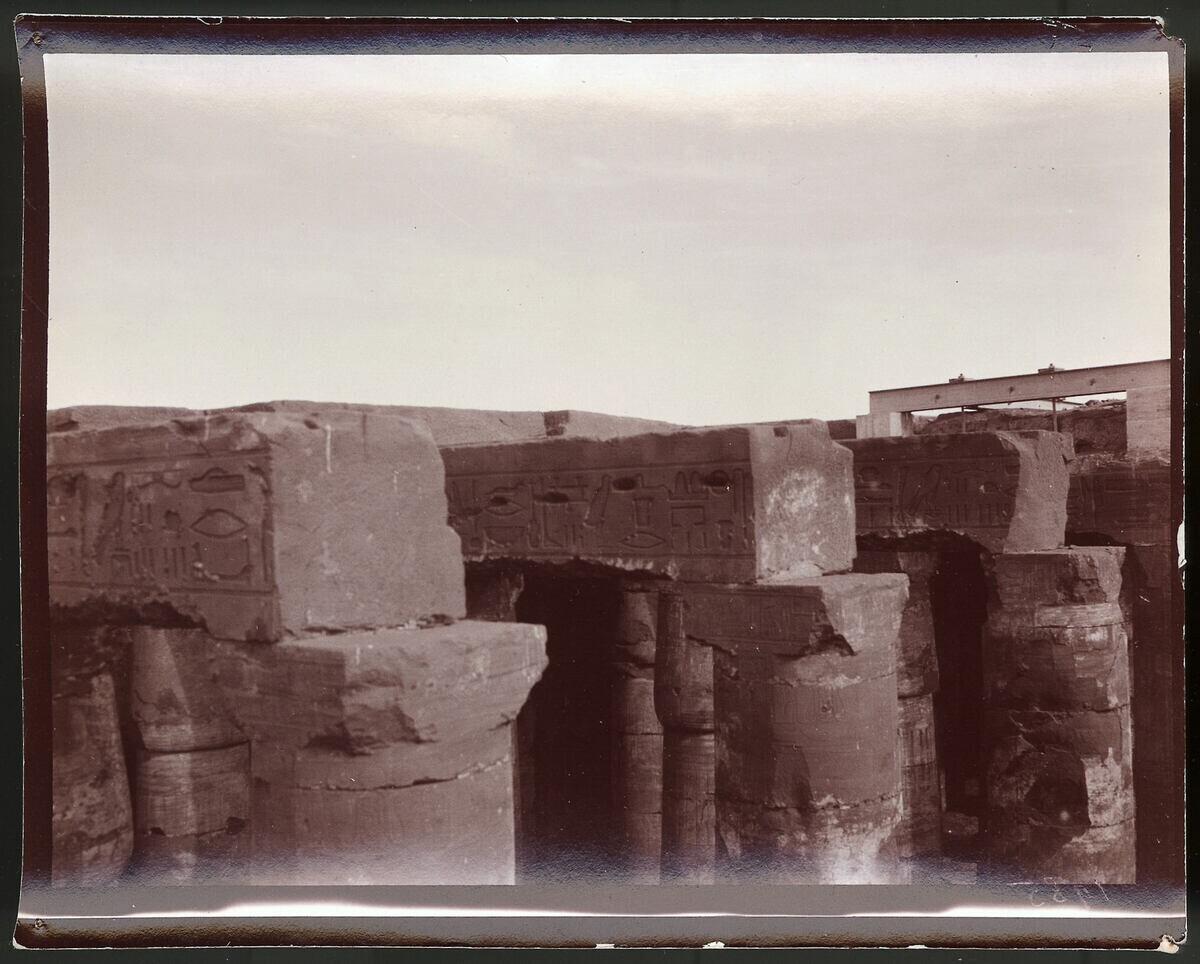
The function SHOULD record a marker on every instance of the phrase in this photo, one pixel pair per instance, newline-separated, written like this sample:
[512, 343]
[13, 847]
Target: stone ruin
[297, 643]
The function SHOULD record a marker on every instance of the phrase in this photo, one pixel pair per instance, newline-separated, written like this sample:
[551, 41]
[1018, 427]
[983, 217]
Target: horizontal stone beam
[1005, 490]
[733, 504]
[257, 526]
[1019, 388]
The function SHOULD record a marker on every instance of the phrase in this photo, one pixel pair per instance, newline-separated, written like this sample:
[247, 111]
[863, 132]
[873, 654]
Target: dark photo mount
[522, 665]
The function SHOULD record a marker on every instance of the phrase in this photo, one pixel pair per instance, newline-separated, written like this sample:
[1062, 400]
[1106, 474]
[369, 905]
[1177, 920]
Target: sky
[697, 238]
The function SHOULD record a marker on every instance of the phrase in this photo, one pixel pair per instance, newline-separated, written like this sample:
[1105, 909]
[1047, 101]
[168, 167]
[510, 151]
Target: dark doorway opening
[563, 739]
[958, 599]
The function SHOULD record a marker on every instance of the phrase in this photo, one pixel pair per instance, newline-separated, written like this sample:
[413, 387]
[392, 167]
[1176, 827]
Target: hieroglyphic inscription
[759, 616]
[945, 493]
[1119, 499]
[651, 512]
[191, 524]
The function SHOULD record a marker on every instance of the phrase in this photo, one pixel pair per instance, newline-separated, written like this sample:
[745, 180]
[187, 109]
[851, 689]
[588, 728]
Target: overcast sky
[698, 238]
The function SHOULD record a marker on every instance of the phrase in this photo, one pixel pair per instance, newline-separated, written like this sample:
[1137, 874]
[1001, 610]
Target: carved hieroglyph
[732, 504]
[1005, 490]
[257, 526]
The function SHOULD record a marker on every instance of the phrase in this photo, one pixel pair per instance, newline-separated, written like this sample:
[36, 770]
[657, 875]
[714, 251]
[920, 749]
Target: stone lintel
[733, 504]
[1005, 490]
[257, 526]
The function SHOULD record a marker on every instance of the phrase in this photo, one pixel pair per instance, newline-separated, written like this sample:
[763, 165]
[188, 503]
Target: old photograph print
[727, 473]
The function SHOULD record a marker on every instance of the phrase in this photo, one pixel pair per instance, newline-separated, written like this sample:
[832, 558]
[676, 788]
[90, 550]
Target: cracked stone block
[733, 504]
[456, 831]
[1005, 490]
[190, 813]
[806, 720]
[175, 701]
[916, 665]
[92, 815]
[1057, 725]
[919, 833]
[394, 742]
[256, 526]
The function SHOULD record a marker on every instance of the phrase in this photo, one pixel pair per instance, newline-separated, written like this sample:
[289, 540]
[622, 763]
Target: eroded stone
[734, 504]
[1005, 490]
[257, 526]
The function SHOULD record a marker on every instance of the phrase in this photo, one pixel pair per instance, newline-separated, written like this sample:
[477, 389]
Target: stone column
[808, 776]
[920, 830]
[92, 815]
[384, 757]
[312, 549]
[683, 699]
[192, 778]
[1058, 741]
[637, 759]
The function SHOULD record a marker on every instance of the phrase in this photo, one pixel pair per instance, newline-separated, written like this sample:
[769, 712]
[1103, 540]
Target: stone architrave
[734, 504]
[256, 526]
[1005, 490]
[1058, 740]
[808, 769]
[384, 757]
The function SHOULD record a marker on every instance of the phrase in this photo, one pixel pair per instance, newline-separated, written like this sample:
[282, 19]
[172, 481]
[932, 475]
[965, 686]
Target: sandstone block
[192, 793]
[916, 660]
[1005, 490]
[92, 816]
[175, 701]
[807, 769]
[919, 833]
[637, 749]
[456, 831]
[1031, 587]
[731, 505]
[358, 692]
[258, 526]
[1057, 727]
[384, 757]
[1148, 421]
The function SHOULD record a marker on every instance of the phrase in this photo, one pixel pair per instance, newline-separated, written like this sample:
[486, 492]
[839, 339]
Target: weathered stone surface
[1132, 502]
[1060, 795]
[807, 769]
[193, 792]
[174, 699]
[919, 833]
[92, 817]
[916, 666]
[1034, 588]
[683, 702]
[216, 856]
[637, 758]
[1129, 501]
[1074, 657]
[1006, 490]
[1148, 421]
[359, 692]
[457, 831]
[689, 806]
[1057, 735]
[734, 504]
[449, 426]
[258, 526]
[384, 757]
